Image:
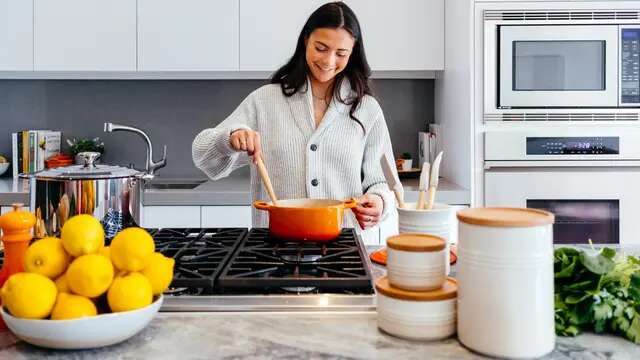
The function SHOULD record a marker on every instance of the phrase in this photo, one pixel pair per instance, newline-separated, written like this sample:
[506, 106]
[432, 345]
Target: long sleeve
[373, 180]
[211, 150]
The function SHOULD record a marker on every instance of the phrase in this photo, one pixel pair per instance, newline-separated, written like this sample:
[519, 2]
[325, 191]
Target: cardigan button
[314, 147]
[314, 182]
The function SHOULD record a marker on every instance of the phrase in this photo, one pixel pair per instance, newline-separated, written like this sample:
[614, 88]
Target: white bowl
[4, 167]
[83, 333]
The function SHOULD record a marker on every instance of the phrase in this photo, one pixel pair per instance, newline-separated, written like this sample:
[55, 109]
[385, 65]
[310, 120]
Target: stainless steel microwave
[560, 65]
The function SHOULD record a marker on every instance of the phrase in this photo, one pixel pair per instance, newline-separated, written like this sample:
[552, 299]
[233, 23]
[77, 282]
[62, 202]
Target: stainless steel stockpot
[112, 194]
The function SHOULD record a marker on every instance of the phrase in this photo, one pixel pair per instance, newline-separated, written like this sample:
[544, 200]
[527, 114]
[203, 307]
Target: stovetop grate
[200, 254]
[263, 262]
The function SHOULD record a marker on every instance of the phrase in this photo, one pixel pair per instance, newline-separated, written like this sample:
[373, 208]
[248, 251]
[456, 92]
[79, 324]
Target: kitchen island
[293, 335]
[296, 334]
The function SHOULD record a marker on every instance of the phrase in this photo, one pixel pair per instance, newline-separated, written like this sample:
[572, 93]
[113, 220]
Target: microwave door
[558, 66]
[595, 204]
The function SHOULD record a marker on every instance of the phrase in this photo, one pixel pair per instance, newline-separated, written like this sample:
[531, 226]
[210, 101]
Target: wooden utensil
[393, 181]
[433, 182]
[424, 185]
[266, 181]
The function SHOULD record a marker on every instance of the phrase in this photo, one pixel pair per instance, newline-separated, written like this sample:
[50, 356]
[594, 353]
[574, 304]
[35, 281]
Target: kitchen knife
[433, 181]
[424, 185]
[393, 181]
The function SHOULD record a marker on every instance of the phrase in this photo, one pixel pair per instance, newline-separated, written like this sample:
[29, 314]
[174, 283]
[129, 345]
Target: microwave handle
[518, 164]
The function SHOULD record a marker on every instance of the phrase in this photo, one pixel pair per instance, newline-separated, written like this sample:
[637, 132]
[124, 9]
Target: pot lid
[89, 170]
[449, 290]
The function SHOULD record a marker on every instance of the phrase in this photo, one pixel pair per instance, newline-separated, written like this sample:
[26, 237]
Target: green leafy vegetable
[597, 291]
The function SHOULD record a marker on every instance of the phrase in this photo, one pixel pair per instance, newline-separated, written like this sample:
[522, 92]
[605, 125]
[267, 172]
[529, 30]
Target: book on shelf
[31, 148]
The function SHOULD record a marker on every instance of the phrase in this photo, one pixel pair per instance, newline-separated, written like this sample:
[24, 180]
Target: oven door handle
[498, 164]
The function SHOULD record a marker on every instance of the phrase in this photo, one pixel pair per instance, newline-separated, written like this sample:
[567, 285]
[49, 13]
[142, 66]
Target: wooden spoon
[266, 181]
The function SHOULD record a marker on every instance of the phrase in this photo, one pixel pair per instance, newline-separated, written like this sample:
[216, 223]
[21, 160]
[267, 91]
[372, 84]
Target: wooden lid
[416, 242]
[505, 217]
[448, 291]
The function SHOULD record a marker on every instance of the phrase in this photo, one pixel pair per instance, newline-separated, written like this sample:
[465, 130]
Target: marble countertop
[297, 335]
[230, 191]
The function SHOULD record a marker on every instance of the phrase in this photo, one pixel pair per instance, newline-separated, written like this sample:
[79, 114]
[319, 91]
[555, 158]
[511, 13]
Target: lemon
[90, 275]
[82, 234]
[72, 307]
[106, 251]
[131, 249]
[129, 292]
[46, 257]
[159, 272]
[29, 295]
[62, 284]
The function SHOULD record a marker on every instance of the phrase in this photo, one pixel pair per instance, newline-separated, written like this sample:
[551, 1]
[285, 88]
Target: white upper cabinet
[269, 31]
[85, 35]
[188, 35]
[402, 34]
[16, 35]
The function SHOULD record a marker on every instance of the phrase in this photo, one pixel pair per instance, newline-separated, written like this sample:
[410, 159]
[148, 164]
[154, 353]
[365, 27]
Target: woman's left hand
[368, 210]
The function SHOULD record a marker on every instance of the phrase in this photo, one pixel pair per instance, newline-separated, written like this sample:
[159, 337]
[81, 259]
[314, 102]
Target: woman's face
[328, 52]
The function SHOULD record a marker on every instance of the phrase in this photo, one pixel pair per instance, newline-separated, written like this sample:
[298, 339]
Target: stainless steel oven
[561, 65]
[589, 177]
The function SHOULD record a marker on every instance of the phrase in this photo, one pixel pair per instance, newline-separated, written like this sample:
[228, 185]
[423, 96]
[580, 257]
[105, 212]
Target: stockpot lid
[88, 171]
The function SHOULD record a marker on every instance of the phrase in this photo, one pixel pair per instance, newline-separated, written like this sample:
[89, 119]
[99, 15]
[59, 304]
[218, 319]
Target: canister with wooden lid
[419, 315]
[416, 261]
[505, 274]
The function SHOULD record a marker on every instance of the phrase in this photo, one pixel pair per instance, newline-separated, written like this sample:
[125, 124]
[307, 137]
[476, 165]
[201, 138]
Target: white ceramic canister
[505, 275]
[419, 315]
[416, 262]
[437, 221]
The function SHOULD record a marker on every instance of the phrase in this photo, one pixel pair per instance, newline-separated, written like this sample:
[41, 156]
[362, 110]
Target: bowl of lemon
[75, 293]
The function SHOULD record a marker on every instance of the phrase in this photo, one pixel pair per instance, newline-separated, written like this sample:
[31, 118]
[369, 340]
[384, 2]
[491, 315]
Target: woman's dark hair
[293, 75]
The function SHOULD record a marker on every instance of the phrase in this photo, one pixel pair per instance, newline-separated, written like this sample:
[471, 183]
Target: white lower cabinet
[170, 216]
[388, 227]
[225, 216]
[6, 209]
[196, 216]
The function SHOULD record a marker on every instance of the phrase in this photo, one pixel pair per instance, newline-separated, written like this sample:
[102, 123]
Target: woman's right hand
[246, 140]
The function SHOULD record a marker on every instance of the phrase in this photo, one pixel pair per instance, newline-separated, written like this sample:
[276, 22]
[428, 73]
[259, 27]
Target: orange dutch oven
[306, 219]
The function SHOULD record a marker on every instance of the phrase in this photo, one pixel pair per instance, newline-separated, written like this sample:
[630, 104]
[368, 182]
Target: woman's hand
[368, 210]
[246, 140]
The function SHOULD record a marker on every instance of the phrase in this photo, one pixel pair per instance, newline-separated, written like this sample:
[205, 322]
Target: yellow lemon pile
[66, 277]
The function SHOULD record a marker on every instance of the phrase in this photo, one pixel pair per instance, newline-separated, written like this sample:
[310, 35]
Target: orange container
[16, 228]
[306, 219]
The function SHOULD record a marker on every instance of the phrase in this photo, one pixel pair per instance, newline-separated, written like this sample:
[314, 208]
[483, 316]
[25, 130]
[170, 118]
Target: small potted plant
[77, 146]
[404, 162]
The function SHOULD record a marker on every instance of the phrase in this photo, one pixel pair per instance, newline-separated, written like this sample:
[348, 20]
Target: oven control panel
[630, 66]
[573, 145]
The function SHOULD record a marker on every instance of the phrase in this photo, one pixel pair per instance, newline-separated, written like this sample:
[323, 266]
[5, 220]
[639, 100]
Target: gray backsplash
[172, 113]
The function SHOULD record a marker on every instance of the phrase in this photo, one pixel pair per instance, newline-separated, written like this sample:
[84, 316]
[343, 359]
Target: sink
[173, 185]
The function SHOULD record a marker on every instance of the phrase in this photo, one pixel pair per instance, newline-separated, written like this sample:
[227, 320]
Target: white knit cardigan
[344, 163]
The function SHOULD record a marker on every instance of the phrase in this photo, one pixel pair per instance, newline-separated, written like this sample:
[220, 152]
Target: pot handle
[350, 204]
[261, 205]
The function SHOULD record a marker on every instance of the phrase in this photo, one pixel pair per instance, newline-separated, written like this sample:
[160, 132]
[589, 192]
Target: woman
[317, 128]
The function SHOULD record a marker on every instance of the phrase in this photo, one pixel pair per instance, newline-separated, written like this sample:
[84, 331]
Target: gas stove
[236, 269]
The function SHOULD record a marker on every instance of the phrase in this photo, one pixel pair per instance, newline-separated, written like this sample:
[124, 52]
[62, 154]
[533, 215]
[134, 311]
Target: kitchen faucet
[151, 166]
